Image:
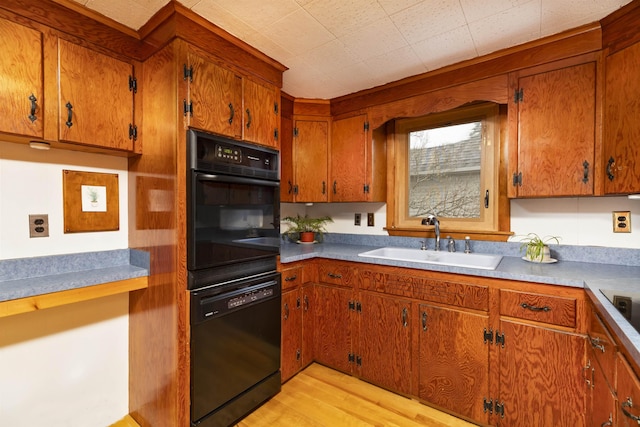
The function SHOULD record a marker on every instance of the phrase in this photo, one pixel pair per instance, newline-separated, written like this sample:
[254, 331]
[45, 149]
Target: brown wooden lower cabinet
[383, 350]
[628, 390]
[291, 357]
[541, 376]
[602, 400]
[454, 360]
[447, 340]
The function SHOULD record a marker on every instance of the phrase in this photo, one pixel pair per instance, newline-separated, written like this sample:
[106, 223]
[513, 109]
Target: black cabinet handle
[232, 113]
[486, 199]
[291, 278]
[286, 311]
[290, 186]
[595, 343]
[34, 106]
[334, 276]
[248, 118]
[324, 187]
[628, 404]
[335, 187]
[585, 178]
[424, 320]
[405, 313]
[306, 303]
[534, 308]
[69, 122]
[610, 165]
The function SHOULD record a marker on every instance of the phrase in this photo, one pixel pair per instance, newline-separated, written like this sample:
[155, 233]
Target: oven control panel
[249, 297]
[229, 154]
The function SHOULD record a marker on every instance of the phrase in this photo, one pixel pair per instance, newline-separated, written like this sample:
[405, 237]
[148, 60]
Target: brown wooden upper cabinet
[95, 98]
[358, 162]
[21, 85]
[261, 113]
[225, 102]
[621, 123]
[215, 93]
[309, 154]
[552, 134]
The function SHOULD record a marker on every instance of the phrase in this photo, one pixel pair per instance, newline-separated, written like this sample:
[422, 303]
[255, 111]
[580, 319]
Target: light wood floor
[319, 396]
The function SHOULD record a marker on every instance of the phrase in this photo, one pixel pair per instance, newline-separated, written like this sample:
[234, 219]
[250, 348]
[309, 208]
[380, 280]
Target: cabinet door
[21, 85]
[556, 133]
[602, 401]
[332, 328]
[310, 154]
[454, 360]
[291, 359]
[260, 113]
[348, 159]
[286, 159]
[215, 96]
[541, 376]
[384, 348]
[628, 389]
[621, 125]
[95, 102]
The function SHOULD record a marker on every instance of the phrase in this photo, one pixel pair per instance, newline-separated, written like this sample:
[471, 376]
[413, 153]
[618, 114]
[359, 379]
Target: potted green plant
[537, 248]
[305, 229]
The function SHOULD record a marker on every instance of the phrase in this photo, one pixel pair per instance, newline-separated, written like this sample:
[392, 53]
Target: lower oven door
[235, 349]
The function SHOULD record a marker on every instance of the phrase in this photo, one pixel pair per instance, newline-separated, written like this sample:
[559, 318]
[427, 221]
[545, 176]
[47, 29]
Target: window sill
[492, 236]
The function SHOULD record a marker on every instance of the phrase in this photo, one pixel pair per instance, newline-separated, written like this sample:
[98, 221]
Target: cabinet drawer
[556, 310]
[603, 346]
[336, 274]
[292, 277]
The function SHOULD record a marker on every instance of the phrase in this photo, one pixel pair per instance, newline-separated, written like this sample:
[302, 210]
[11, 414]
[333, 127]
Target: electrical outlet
[622, 222]
[370, 219]
[357, 219]
[39, 225]
[623, 304]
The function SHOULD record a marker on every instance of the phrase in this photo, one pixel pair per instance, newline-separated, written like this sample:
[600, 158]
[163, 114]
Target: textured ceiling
[336, 47]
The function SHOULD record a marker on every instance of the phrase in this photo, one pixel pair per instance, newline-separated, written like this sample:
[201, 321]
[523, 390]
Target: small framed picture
[91, 201]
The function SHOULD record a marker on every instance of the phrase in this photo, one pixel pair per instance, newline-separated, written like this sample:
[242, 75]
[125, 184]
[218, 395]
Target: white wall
[31, 183]
[577, 221]
[64, 366]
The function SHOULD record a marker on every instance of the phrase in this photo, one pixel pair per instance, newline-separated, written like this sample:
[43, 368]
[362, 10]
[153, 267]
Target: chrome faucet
[433, 220]
[451, 244]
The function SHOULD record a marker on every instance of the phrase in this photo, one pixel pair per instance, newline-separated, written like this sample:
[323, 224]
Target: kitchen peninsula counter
[591, 276]
[29, 284]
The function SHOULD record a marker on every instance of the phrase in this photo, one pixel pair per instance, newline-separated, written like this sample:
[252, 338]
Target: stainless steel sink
[454, 259]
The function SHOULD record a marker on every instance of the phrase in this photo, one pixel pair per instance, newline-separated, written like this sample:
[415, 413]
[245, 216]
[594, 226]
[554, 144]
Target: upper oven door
[231, 219]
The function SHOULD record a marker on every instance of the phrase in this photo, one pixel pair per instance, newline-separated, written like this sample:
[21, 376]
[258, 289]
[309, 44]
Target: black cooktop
[627, 303]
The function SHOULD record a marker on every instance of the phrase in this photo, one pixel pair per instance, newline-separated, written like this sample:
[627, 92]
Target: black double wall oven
[233, 239]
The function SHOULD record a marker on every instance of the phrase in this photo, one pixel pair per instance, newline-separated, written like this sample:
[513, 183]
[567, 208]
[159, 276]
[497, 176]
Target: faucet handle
[423, 246]
[467, 245]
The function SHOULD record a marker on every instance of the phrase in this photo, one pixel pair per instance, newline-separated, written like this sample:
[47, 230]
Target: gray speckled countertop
[26, 277]
[588, 267]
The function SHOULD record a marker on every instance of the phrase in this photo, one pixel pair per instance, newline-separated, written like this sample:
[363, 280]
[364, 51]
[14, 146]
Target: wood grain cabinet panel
[95, 99]
[552, 134]
[383, 353]
[555, 310]
[628, 391]
[291, 356]
[21, 85]
[621, 124]
[541, 375]
[261, 113]
[454, 360]
[215, 97]
[310, 157]
[358, 162]
[332, 329]
[335, 273]
[601, 399]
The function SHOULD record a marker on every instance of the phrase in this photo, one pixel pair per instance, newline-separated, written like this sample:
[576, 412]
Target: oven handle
[236, 180]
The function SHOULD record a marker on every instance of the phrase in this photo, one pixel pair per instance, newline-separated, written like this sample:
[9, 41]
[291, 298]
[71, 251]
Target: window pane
[444, 171]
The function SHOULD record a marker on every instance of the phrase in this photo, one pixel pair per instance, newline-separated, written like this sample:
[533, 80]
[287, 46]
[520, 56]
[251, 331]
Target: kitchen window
[447, 164]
